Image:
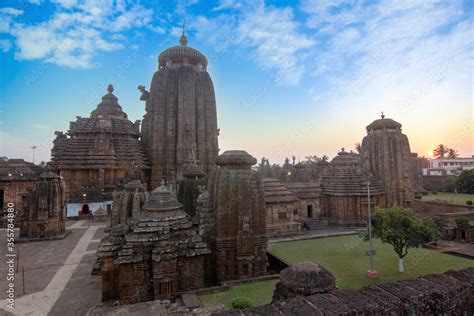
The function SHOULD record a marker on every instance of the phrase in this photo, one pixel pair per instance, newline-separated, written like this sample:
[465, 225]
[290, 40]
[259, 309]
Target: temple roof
[109, 107]
[107, 139]
[383, 123]
[276, 192]
[305, 190]
[161, 200]
[19, 169]
[306, 278]
[235, 158]
[177, 54]
[345, 177]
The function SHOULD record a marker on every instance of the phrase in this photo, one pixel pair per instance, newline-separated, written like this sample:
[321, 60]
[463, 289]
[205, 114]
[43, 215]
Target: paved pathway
[40, 303]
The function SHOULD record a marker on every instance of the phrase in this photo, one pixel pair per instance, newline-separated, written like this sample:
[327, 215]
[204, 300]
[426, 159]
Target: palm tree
[440, 151]
[452, 153]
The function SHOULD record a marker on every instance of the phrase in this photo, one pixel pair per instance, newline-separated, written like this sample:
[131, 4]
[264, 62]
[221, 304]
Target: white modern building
[448, 166]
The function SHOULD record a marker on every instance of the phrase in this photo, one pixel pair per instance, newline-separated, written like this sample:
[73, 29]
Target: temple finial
[382, 116]
[110, 88]
[183, 40]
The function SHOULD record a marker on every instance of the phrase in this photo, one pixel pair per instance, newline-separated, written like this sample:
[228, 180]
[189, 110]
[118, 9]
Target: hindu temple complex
[178, 216]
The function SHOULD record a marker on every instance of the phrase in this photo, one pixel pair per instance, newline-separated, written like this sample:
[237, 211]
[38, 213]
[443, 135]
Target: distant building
[448, 166]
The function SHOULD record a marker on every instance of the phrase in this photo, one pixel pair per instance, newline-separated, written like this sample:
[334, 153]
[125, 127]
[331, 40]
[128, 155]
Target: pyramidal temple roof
[345, 177]
[105, 139]
[109, 107]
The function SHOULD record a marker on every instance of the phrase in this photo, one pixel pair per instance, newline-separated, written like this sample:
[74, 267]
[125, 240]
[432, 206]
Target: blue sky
[291, 77]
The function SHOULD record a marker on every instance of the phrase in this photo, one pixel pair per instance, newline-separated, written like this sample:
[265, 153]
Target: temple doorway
[85, 209]
[310, 211]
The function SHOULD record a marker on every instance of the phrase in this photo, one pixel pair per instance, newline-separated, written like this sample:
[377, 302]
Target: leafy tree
[440, 151]
[312, 159]
[400, 228]
[287, 165]
[358, 147]
[324, 158]
[465, 182]
[452, 153]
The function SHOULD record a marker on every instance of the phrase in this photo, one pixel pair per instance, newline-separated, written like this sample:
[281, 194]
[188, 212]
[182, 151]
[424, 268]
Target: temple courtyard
[345, 257]
[57, 273]
[58, 280]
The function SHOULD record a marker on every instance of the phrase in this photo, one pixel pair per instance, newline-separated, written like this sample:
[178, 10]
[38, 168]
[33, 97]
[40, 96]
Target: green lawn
[458, 198]
[344, 257]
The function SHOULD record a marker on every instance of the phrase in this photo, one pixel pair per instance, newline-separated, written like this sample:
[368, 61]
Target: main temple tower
[180, 124]
[386, 155]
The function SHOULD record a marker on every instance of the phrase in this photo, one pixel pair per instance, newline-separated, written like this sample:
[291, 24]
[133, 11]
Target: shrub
[465, 182]
[418, 196]
[241, 302]
[424, 192]
[461, 221]
[434, 192]
[469, 202]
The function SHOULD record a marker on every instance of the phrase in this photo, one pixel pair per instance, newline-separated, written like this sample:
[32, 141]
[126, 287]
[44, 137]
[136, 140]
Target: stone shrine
[99, 148]
[158, 255]
[238, 239]
[385, 152]
[44, 209]
[344, 190]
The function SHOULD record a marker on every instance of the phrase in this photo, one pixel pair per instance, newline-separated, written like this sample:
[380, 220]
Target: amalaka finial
[110, 88]
[183, 40]
[382, 116]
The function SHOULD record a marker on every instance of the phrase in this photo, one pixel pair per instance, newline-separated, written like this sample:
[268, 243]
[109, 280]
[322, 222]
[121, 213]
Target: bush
[465, 182]
[418, 196]
[461, 221]
[424, 192]
[469, 202]
[241, 302]
[434, 192]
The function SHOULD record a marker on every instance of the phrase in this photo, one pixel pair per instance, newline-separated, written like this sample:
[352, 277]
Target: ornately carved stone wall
[238, 239]
[44, 208]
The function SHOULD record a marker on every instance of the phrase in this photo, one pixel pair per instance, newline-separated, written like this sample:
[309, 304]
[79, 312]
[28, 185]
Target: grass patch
[259, 293]
[344, 257]
[456, 198]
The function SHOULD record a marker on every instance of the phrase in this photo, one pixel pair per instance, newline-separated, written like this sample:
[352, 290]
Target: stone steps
[315, 223]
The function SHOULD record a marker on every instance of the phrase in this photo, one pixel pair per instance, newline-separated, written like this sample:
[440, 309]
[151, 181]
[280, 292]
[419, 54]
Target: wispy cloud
[408, 58]
[5, 45]
[76, 32]
[271, 33]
